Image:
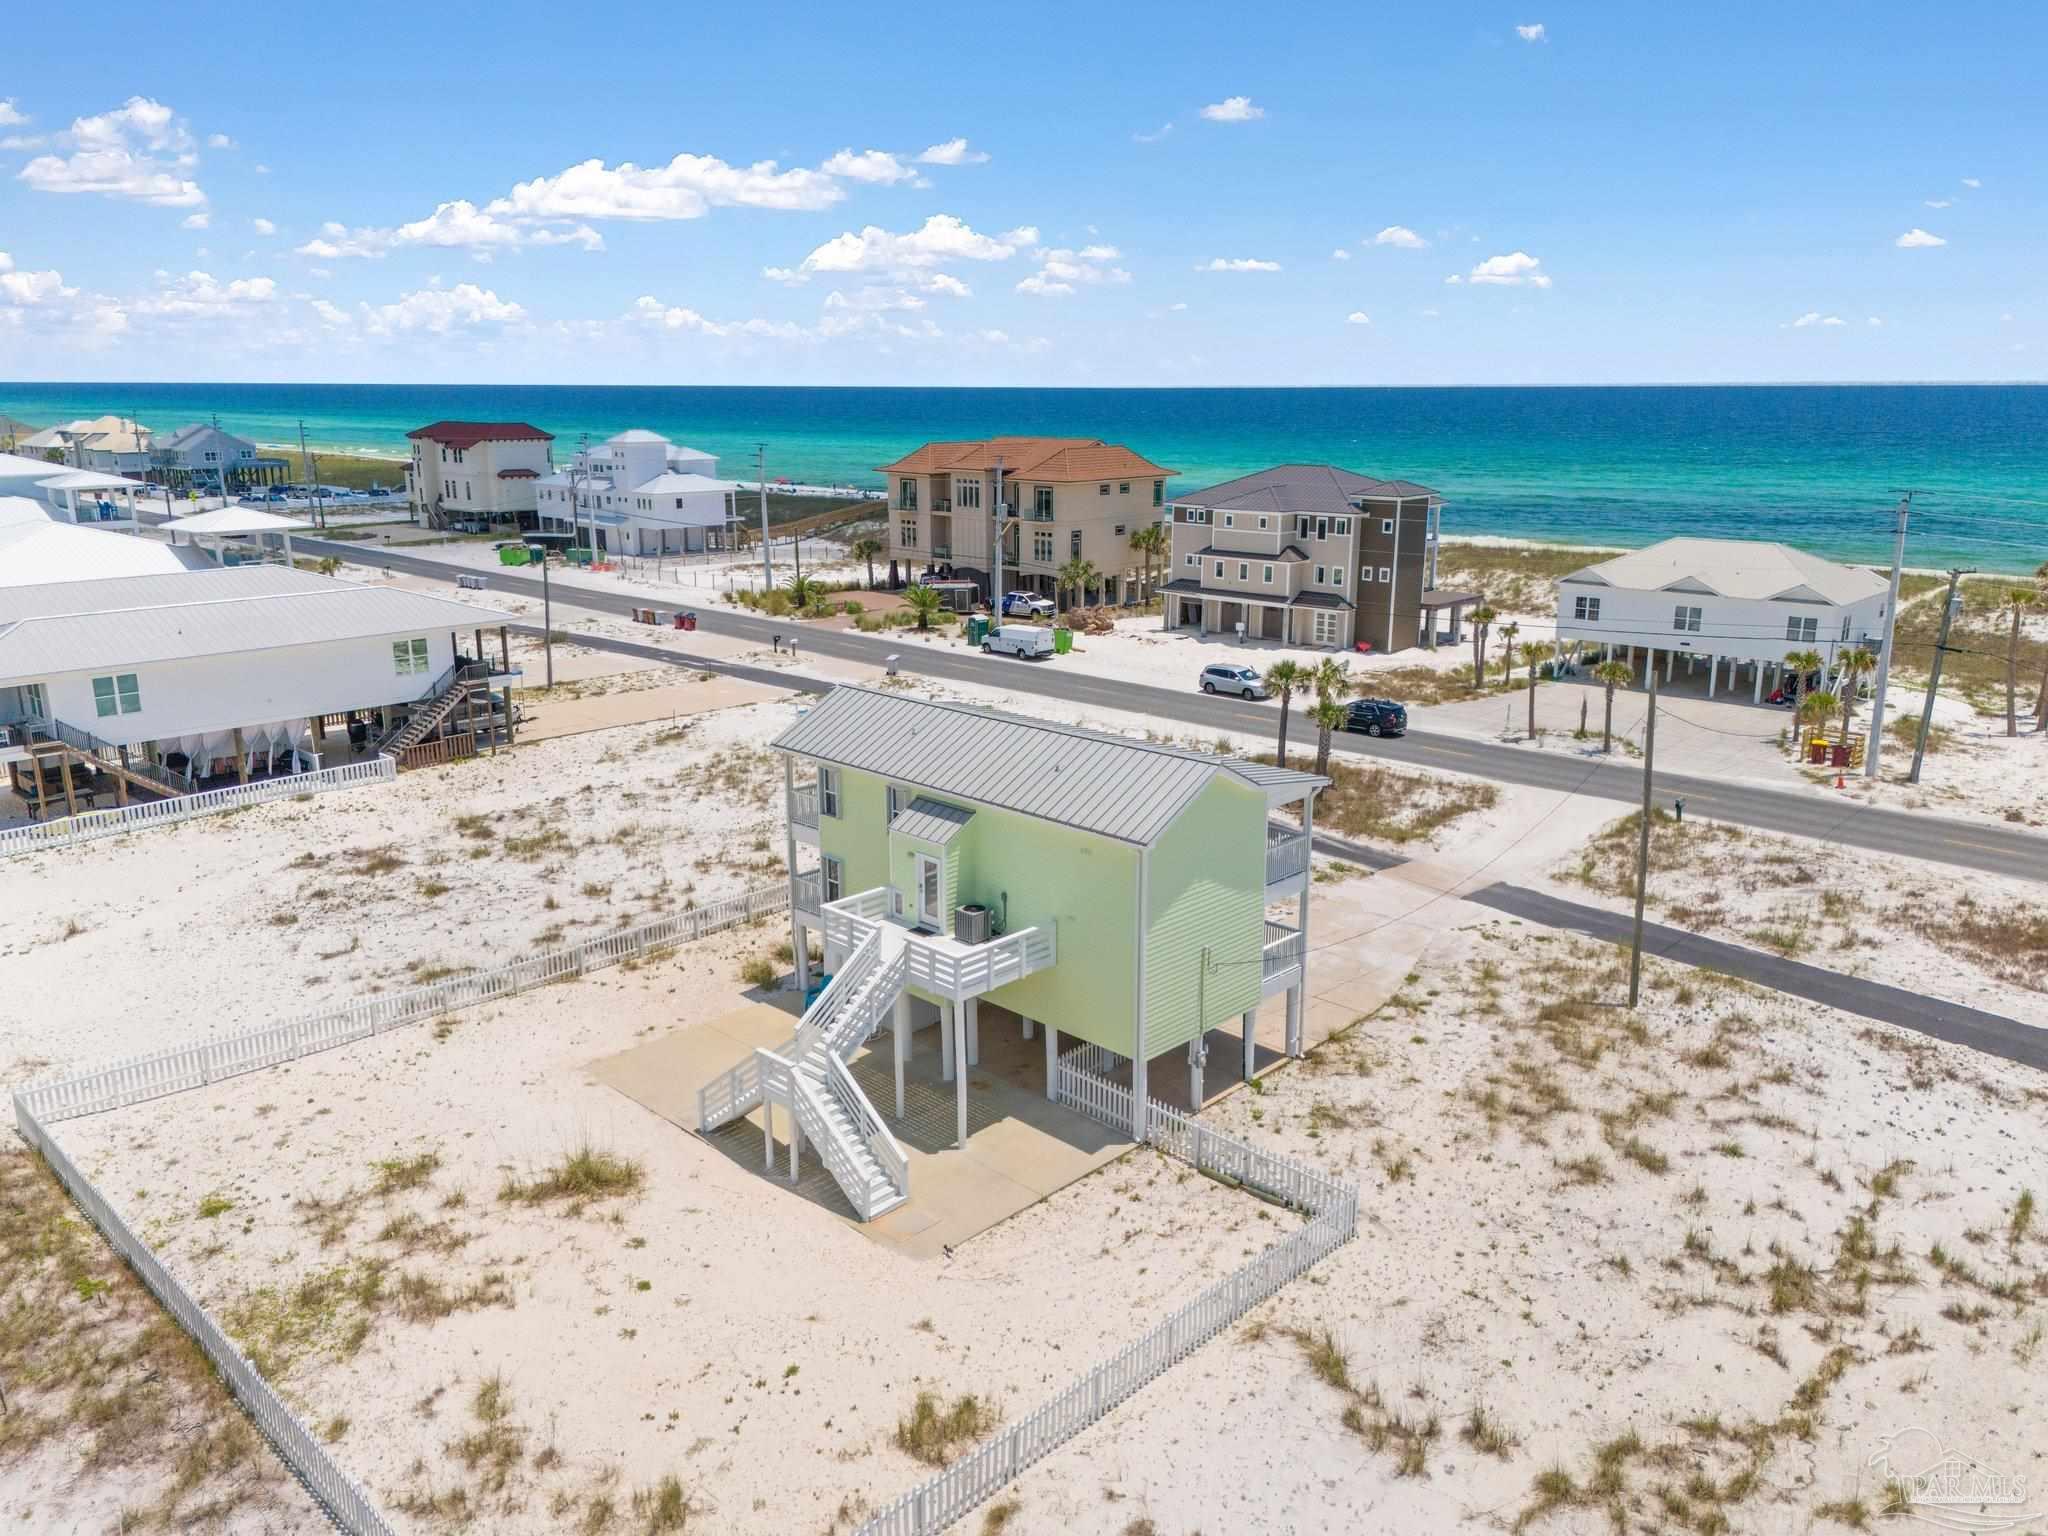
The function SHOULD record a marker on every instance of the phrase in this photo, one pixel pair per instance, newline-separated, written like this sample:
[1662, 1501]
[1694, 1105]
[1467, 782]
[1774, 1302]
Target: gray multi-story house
[202, 457]
[1310, 554]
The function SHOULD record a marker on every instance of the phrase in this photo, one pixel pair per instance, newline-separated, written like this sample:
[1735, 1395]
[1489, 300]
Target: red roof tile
[467, 434]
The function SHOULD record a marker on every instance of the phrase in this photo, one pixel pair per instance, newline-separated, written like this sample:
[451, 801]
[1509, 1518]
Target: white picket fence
[191, 1066]
[1333, 1208]
[348, 1506]
[65, 831]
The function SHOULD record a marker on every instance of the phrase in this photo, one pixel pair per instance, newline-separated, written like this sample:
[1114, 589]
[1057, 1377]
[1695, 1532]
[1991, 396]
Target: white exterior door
[1325, 627]
[930, 882]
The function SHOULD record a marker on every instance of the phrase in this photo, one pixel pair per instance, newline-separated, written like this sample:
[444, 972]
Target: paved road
[1991, 1033]
[1996, 849]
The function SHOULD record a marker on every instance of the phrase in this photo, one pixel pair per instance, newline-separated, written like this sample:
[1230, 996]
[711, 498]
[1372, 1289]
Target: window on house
[897, 798]
[967, 491]
[833, 872]
[1322, 527]
[1124, 488]
[1102, 489]
[1219, 570]
[1074, 543]
[1192, 560]
[1262, 521]
[1041, 548]
[1119, 527]
[1586, 609]
[1229, 519]
[1158, 492]
[1386, 573]
[1365, 575]
[1266, 574]
[906, 495]
[1336, 575]
[828, 792]
[1685, 618]
[1041, 500]
[409, 657]
[1845, 626]
[120, 694]
[1321, 574]
[1341, 527]
[1244, 570]
[1386, 525]
[907, 531]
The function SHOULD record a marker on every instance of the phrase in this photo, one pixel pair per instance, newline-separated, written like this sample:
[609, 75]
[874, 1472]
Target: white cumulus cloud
[1238, 264]
[942, 240]
[196, 295]
[1972, 183]
[1814, 317]
[1532, 33]
[195, 221]
[263, 226]
[457, 225]
[141, 151]
[1061, 271]
[1917, 239]
[1155, 136]
[219, 141]
[1938, 202]
[440, 310]
[1510, 271]
[688, 187]
[1340, 254]
[1233, 109]
[1401, 237]
[877, 166]
[26, 288]
[11, 116]
[1358, 317]
[952, 152]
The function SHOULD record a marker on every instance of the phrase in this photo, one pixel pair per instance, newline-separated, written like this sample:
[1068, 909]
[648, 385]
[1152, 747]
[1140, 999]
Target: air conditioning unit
[970, 924]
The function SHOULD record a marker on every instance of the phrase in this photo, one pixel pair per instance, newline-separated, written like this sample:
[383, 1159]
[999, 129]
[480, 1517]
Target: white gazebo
[81, 495]
[266, 533]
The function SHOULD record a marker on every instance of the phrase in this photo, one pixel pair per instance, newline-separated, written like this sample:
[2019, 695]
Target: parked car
[1027, 605]
[1376, 717]
[1232, 678]
[1032, 641]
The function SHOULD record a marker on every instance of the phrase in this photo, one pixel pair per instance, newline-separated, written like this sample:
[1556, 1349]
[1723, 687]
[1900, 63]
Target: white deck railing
[1333, 1209]
[1283, 951]
[807, 891]
[871, 1128]
[945, 971]
[65, 831]
[803, 805]
[1286, 854]
[147, 1077]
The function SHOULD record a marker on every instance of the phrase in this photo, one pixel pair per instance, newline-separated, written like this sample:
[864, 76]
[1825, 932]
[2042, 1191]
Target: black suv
[1376, 717]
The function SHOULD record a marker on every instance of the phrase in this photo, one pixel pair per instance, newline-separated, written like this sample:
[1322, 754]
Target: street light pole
[767, 556]
[1884, 655]
[1948, 612]
[1635, 953]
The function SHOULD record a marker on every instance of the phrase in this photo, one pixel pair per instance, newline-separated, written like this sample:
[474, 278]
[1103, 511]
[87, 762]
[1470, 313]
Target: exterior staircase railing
[165, 780]
[440, 701]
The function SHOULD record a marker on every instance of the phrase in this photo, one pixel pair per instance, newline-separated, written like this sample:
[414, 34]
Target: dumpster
[576, 555]
[1816, 751]
[1838, 755]
[513, 555]
[977, 628]
[1062, 641]
[687, 620]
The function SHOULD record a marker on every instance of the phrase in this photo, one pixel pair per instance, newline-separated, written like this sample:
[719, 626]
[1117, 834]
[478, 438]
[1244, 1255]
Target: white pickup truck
[1033, 641]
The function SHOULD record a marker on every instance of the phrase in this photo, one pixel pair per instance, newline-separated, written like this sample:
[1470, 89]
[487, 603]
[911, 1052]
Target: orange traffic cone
[1839, 784]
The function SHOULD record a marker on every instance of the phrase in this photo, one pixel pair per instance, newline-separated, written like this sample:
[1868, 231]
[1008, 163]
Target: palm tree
[2041, 693]
[1283, 677]
[1851, 670]
[866, 547]
[924, 602]
[1508, 631]
[1814, 711]
[1482, 620]
[1075, 576]
[1331, 683]
[802, 591]
[1150, 542]
[1534, 654]
[1802, 664]
[1611, 675]
[2019, 600]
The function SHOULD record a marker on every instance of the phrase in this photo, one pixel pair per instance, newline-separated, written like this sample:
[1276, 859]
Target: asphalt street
[1995, 849]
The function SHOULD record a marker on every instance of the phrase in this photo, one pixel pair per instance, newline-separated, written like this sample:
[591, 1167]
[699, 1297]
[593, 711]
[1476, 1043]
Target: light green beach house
[1103, 889]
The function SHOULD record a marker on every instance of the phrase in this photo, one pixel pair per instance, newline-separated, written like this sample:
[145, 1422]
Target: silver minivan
[1232, 678]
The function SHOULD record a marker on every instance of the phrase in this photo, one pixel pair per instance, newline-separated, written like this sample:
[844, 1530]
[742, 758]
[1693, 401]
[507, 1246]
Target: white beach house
[111, 444]
[1734, 606]
[227, 673]
[37, 547]
[639, 494]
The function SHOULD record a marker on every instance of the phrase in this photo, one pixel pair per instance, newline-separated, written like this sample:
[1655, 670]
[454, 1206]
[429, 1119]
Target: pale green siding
[1088, 886]
[1207, 889]
[859, 834]
[903, 852]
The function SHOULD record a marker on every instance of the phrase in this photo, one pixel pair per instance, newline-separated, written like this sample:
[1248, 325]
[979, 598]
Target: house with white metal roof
[229, 672]
[637, 493]
[37, 548]
[1723, 604]
[1109, 890]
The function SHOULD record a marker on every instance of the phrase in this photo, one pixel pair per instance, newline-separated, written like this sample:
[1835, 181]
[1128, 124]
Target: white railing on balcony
[803, 804]
[1286, 853]
[807, 891]
[1283, 952]
[949, 972]
[852, 918]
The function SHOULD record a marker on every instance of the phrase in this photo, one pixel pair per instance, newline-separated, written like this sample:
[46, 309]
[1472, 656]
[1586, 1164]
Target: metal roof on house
[931, 821]
[1321, 489]
[1745, 568]
[83, 626]
[37, 551]
[1110, 785]
[1252, 556]
[234, 520]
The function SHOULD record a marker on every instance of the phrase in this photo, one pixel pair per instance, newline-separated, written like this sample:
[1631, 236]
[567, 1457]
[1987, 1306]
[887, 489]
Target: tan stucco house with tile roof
[1065, 497]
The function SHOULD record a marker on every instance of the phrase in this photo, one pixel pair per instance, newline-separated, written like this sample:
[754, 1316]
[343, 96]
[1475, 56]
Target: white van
[1030, 640]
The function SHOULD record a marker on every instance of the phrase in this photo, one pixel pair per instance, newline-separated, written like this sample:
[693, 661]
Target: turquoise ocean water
[1816, 465]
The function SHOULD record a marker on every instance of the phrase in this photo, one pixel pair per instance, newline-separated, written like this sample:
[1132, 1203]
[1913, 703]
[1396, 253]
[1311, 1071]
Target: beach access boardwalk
[1983, 846]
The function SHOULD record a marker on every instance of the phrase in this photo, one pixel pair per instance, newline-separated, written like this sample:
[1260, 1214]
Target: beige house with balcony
[1063, 498]
[477, 471]
[1310, 555]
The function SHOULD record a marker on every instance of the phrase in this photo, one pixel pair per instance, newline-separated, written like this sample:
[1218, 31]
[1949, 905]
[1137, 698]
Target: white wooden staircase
[807, 1076]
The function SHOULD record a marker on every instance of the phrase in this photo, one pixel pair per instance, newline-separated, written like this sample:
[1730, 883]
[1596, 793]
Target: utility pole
[995, 591]
[1948, 612]
[581, 467]
[305, 458]
[1884, 655]
[1635, 954]
[547, 612]
[767, 555]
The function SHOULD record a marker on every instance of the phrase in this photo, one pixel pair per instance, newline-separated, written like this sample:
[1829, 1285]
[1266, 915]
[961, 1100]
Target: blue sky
[1116, 195]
